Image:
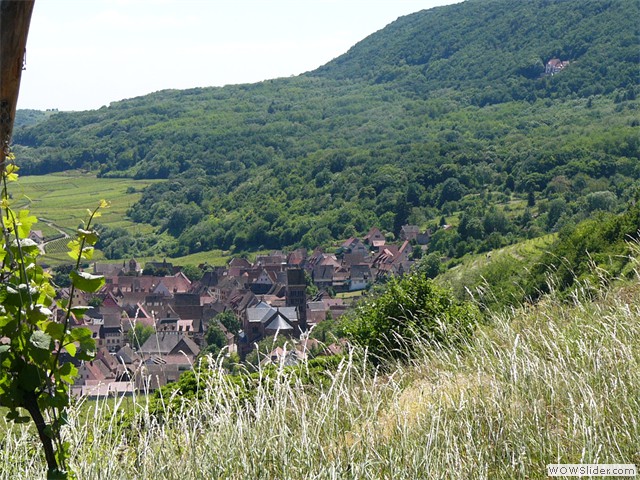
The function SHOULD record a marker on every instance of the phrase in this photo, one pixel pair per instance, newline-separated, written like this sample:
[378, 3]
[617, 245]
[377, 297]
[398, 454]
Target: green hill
[496, 50]
[446, 112]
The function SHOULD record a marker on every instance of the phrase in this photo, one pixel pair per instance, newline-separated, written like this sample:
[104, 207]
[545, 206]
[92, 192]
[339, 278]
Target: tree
[430, 266]
[192, 272]
[263, 347]
[403, 209]
[95, 301]
[452, 190]
[215, 338]
[230, 321]
[531, 198]
[61, 275]
[139, 334]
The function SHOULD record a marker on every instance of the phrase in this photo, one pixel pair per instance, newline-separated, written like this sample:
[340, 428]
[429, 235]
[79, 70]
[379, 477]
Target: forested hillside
[445, 116]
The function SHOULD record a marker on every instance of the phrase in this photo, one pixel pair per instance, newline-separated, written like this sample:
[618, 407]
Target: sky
[83, 54]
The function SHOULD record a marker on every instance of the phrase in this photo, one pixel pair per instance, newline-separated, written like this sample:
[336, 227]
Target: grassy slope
[509, 264]
[554, 383]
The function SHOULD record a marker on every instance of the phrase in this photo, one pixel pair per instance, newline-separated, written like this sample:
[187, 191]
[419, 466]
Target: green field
[62, 199]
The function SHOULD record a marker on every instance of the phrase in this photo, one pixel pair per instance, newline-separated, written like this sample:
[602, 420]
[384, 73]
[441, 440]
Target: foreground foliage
[33, 376]
[552, 383]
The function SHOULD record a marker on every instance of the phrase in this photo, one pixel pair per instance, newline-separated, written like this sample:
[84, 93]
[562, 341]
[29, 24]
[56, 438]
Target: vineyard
[57, 246]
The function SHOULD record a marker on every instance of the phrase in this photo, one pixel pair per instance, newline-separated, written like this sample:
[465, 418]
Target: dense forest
[445, 116]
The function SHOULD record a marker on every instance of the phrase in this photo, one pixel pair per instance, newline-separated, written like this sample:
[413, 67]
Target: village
[267, 297]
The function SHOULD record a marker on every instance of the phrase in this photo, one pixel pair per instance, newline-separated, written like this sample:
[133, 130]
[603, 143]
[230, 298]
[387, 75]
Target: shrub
[411, 309]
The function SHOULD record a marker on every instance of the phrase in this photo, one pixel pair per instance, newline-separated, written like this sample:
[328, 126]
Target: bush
[411, 311]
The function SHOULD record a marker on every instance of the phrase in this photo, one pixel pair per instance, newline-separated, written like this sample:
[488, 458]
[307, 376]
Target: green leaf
[4, 348]
[87, 253]
[86, 282]
[86, 355]
[71, 349]
[38, 313]
[15, 417]
[47, 294]
[27, 247]
[84, 337]
[57, 474]
[40, 340]
[81, 333]
[74, 249]
[25, 221]
[56, 330]
[80, 310]
[89, 236]
[5, 320]
[68, 372]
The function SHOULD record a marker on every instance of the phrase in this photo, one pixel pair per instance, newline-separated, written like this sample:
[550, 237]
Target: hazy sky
[82, 54]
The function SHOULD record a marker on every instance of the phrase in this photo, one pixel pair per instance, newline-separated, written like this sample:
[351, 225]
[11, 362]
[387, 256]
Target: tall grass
[551, 383]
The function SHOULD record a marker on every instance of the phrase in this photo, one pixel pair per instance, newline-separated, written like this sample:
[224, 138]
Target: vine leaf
[24, 222]
[71, 349]
[40, 340]
[68, 372]
[86, 282]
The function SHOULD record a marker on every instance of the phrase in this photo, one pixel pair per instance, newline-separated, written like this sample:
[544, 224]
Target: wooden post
[15, 16]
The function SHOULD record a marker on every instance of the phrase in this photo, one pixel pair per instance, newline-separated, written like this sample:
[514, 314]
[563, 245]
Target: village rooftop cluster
[267, 296]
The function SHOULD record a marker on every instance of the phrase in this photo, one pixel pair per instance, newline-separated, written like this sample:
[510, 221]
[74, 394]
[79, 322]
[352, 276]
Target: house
[554, 66]
[225, 288]
[354, 245]
[264, 320]
[261, 281]
[360, 277]
[107, 269]
[316, 312]
[104, 368]
[374, 238]
[409, 232]
[168, 286]
[322, 275]
[274, 258]
[237, 266]
[412, 233]
[112, 336]
[170, 346]
[297, 258]
[341, 279]
[127, 356]
[285, 357]
[36, 236]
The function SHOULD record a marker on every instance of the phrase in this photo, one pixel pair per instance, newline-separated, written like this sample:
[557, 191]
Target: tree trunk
[15, 16]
